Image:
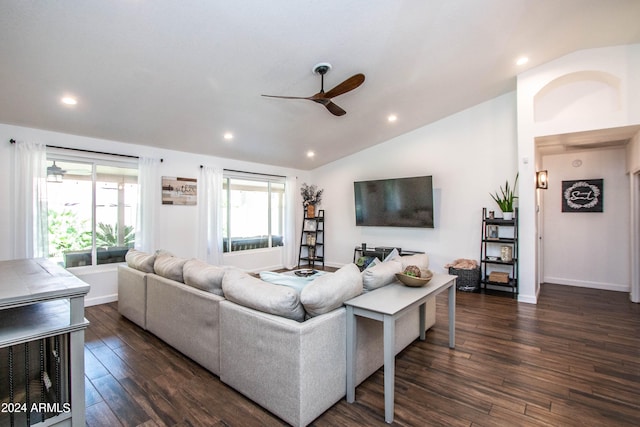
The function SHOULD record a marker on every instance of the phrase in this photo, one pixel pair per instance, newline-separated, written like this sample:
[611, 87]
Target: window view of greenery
[79, 216]
[253, 214]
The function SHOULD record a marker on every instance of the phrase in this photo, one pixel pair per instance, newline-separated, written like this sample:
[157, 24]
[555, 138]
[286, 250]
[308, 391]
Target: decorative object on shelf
[499, 277]
[542, 180]
[413, 281]
[506, 198]
[506, 253]
[311, 240]
[585, 195]
[492, 231]
[310, 225]
[311, 197]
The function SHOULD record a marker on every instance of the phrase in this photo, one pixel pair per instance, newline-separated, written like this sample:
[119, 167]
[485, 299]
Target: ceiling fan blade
[287, 97]
[350, 84]
[334, 109]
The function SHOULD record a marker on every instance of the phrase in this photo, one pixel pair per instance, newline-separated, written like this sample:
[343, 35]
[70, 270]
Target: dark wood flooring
[571, 360]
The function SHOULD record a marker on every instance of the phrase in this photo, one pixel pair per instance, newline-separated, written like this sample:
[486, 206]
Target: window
[252, 212]
[92, 210]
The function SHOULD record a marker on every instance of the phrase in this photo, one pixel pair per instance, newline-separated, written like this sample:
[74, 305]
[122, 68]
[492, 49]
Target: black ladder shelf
[499, 254]
[312, 241]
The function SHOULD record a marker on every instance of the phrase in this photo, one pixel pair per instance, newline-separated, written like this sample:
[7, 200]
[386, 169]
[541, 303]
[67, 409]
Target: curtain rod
[13, 141]
[250, 173]
[254, 173]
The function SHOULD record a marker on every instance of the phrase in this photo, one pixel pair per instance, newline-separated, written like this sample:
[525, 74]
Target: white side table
[386, 305]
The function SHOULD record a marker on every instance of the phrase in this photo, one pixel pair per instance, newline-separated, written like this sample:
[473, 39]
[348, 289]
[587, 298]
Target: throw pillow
[170, 267]
[257, 294]
[421, 260]
[381, 274]
[202, 275]
[140, 260]
[330, 291]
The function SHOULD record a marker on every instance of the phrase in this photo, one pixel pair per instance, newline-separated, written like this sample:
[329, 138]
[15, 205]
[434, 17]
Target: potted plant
[311, 196]
[506, 198]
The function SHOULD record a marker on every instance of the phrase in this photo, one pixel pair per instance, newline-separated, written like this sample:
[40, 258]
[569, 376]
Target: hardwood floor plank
[101, 415]
[128, 412]
[154, 403]
[116, 366]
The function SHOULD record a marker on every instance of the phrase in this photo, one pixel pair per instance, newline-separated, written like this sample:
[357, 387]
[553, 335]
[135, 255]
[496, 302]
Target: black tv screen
[398, 202]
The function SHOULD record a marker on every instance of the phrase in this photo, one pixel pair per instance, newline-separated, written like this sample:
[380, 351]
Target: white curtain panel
[209, 215]
[149, 196]
[30, 232]
[290, 242]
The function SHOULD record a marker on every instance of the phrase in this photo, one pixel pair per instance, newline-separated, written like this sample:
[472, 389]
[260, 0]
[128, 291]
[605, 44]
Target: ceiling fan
[323, 97]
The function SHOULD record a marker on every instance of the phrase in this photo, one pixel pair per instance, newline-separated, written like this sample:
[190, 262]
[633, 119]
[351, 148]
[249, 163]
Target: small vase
[507, 216]
[311, 211]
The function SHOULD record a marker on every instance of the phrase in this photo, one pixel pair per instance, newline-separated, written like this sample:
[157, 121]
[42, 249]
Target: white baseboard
[104, 299]
[529, 299]
[588, 284]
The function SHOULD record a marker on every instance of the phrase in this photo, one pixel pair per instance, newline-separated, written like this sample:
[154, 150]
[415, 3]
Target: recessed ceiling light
[228, 136]
[392, 118]
[68, 100]
[310, 153]
[522, 60]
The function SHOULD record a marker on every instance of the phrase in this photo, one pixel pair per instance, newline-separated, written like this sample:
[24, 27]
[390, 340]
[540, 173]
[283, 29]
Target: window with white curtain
[92, 206]
[252, 212]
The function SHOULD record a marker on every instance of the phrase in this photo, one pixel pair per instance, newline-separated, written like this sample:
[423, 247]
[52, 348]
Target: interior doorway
[635, 237]
[549, 248]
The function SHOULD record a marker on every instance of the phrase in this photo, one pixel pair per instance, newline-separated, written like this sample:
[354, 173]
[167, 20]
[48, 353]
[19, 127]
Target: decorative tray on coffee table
[305, 272]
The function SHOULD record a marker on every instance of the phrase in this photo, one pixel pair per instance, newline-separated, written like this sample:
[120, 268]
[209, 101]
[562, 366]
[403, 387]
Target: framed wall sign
[179, 191]
[584, 195]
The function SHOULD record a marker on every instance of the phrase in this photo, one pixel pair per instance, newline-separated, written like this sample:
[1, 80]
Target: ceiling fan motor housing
[322, 68]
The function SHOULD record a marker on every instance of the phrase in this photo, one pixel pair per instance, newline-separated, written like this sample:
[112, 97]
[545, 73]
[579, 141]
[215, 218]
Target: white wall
[469, 155]
[177, 226]
[588, 249]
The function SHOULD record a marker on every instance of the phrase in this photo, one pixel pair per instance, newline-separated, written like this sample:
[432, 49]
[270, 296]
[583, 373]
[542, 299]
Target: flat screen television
[397, 202]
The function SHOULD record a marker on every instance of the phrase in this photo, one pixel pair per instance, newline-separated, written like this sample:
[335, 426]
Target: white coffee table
[386, 305]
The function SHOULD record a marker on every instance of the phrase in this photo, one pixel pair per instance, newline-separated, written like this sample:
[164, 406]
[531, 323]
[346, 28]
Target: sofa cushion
[420, 260]
[257, 294]
[202, 275]
[170, 267]
[139, 260]
[330, 291]
[381, 274]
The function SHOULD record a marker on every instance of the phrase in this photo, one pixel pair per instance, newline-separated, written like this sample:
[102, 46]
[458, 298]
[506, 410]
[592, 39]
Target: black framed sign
[585, 195]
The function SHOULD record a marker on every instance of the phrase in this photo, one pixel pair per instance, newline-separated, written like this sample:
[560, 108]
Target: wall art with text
[585, 195]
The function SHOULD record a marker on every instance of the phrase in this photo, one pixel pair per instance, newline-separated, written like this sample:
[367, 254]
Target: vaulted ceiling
[182, 74]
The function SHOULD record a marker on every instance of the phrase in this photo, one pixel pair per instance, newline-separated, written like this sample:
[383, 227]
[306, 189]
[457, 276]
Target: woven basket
[468, 279]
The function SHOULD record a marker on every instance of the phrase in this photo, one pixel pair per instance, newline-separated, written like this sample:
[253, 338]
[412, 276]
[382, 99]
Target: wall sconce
[542, 180]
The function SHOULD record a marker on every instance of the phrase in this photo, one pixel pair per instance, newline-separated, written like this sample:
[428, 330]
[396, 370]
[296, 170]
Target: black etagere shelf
[499, 254]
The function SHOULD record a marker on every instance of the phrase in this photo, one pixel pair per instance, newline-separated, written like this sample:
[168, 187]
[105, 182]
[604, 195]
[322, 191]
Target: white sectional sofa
[260, 338]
